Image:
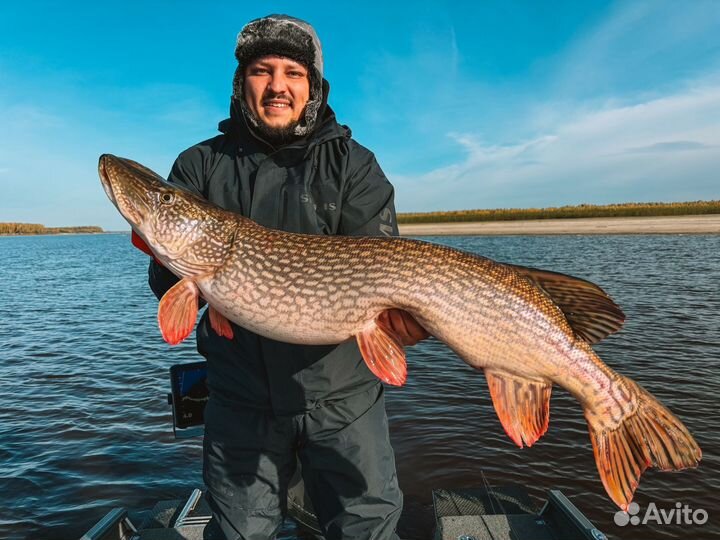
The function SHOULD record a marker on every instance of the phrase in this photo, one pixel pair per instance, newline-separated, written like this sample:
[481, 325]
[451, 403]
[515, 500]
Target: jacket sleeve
[369, 204]
[186, 172]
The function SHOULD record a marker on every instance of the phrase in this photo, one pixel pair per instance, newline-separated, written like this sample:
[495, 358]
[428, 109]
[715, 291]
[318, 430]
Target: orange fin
[592, 314]
[651, 436]
[522, 405]
[383, 353]
[178, 311]
[220, 324]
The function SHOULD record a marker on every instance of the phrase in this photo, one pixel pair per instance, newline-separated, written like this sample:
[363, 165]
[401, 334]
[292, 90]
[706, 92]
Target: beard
[278, 136]
[275, 136]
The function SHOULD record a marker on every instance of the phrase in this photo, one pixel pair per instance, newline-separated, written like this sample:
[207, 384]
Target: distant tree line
[566, 212]
[36, 228]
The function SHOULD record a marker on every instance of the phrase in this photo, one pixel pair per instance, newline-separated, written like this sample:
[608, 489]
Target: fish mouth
[128, 192]
[104, 178]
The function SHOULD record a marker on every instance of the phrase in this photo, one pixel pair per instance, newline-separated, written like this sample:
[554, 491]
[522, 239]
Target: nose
[278, 82]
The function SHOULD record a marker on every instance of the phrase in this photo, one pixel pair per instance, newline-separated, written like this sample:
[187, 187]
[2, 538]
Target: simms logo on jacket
[386, 227]
[305, 198]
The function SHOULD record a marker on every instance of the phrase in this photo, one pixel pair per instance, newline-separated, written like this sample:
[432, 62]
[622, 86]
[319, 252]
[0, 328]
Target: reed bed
[566, 212]
[36, 228]
[651, 209]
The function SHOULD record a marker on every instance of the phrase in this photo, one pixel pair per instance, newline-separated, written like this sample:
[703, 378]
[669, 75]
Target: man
[284, 161]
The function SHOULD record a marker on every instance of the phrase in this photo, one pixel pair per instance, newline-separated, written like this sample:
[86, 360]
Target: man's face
[276, 90]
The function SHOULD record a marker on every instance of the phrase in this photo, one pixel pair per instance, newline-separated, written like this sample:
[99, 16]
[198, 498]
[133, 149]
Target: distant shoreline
[702, 224]
[29, 229]
[48, 233]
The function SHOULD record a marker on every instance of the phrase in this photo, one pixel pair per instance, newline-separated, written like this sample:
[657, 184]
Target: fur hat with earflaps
[286, 36]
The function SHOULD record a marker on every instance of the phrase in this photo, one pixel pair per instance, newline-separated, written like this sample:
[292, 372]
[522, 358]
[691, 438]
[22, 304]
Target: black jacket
[325, 183]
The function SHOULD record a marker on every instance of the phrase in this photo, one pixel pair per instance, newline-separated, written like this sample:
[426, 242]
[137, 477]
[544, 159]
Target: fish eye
[167, 198]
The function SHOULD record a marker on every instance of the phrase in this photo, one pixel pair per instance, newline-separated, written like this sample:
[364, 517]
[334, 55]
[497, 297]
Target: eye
[167, 198]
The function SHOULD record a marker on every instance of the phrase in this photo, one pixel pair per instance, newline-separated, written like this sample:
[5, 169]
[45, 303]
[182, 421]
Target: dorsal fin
[592, 314]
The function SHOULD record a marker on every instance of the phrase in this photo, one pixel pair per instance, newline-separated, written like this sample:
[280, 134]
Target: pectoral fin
[220, 324]
[178, 311]
[522, 405]
[383, 353]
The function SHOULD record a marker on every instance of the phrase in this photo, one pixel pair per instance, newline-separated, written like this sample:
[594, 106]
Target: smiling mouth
[277, 104]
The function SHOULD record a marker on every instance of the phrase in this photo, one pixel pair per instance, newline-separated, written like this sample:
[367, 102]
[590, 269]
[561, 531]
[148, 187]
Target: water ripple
[87, 426]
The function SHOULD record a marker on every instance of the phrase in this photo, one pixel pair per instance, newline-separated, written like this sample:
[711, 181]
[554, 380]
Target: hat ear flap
[238, 81]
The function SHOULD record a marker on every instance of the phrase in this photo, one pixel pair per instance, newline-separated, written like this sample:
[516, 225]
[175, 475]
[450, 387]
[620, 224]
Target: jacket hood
[287, 36]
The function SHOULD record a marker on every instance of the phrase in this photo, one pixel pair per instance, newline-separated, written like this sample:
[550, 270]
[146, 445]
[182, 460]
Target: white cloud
[588, 156]
[627, 111]
[670, 146]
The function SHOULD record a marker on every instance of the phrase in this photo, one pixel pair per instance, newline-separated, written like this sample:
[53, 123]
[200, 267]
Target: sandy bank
[707, 224]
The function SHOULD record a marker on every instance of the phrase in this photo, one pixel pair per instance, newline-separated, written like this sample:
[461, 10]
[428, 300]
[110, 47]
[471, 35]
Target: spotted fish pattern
[527, 329]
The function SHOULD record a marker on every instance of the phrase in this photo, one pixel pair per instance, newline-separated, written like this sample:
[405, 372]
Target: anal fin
[383, 353]
[522, 405]
[220, 324]
[178, 311]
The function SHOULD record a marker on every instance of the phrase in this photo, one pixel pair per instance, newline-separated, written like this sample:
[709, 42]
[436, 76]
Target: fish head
[185, 232]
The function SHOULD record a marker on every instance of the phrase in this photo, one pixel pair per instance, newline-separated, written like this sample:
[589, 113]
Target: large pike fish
[526, 328]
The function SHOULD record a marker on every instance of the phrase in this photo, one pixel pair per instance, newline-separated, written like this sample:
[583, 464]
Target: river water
[85, 425]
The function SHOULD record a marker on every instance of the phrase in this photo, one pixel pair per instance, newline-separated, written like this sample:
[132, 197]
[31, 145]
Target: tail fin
[651, 436]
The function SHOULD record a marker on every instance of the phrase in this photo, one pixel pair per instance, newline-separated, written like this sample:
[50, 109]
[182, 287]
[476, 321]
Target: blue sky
[465, 104]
